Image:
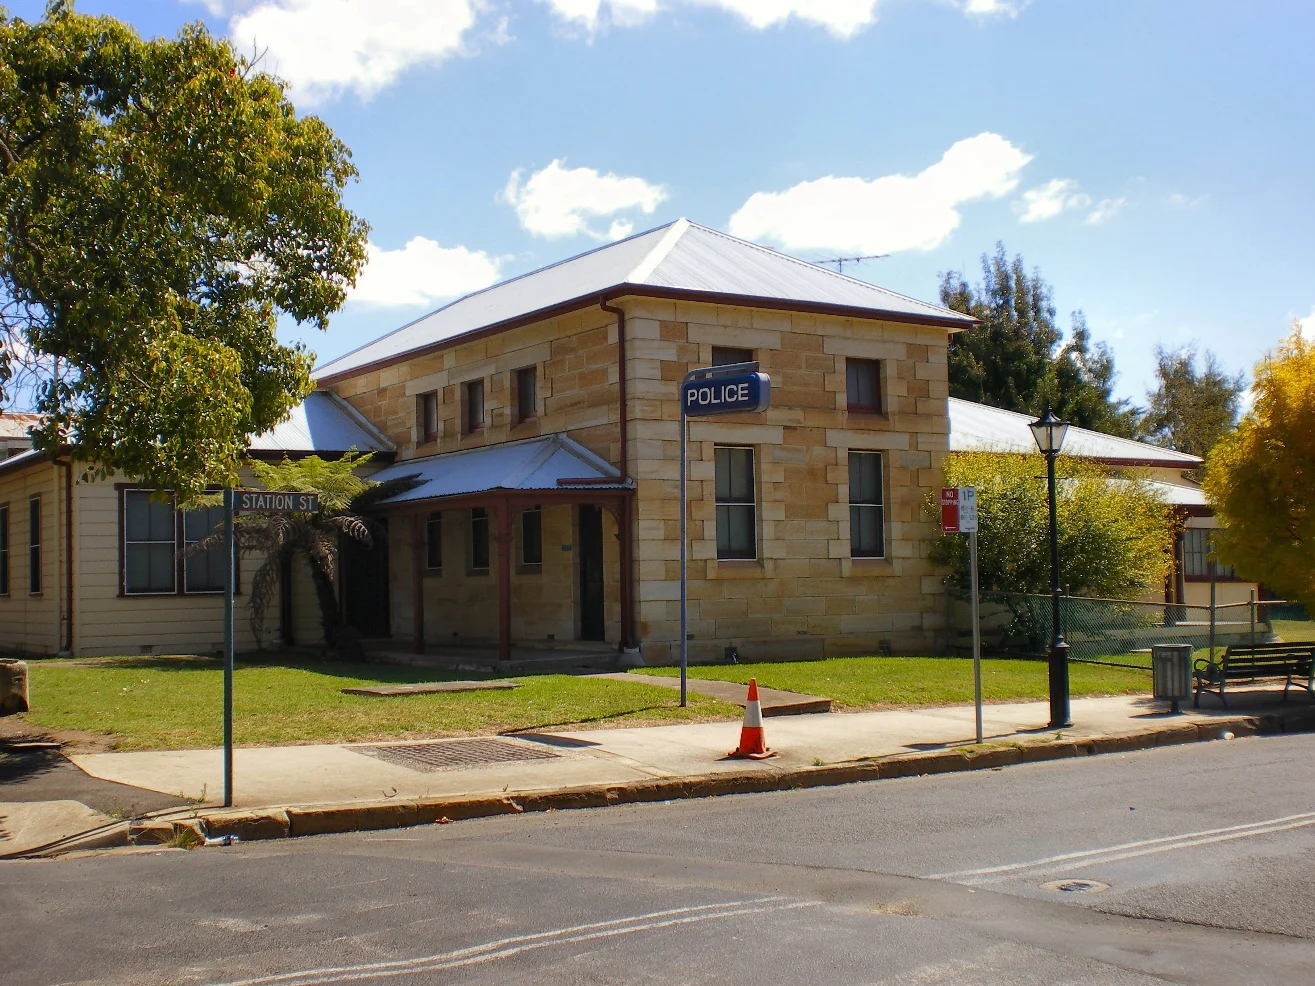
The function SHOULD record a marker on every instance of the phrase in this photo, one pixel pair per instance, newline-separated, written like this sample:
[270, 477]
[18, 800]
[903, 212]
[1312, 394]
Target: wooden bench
[1253, 662]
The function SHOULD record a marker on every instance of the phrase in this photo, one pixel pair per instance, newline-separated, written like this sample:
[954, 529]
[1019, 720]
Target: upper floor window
[526, 394]
[434, 542]
[737, 511]
[863, 385]
[1196, 556]
[474, 406]
[4, 549]
[532, 536]
[728, 355]
[867, 520]
[34, 545]
[427, 416]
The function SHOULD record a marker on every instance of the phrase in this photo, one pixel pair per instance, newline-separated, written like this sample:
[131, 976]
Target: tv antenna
[841, 261]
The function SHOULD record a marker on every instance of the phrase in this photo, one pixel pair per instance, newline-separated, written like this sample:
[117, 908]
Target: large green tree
[1190, 409]
[1019, 360]
[161, 206]
[1260, 478]
[1115, 534]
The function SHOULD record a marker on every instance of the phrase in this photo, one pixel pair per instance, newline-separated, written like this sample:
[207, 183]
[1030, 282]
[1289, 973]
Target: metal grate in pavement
[454, 754]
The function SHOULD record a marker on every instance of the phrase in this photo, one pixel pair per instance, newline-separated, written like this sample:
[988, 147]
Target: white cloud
[1306, 326]
[591, 14]
[990, 8]
[843, 18]
[422, 272]
[1049, 200]
[559, 201]
[1180, 201]
[327, 47]
[888, 214]
[1106, 209]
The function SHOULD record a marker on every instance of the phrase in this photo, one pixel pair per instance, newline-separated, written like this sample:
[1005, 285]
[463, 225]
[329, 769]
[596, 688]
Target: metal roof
[977, 427]
[528, 464]
[679, 257]
[17, 424]
[323, 423]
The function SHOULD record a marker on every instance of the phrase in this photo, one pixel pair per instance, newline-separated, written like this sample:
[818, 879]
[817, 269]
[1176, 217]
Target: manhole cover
[451, 754]
[1075, 886]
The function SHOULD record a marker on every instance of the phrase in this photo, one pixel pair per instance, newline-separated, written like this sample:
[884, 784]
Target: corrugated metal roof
[976, 427]
[323, 423]
[17, 424]
[529, 464]
[681, 256]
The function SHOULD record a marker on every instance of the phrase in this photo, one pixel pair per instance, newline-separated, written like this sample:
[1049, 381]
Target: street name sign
[266, 502]
[729, 394]
[958, 510]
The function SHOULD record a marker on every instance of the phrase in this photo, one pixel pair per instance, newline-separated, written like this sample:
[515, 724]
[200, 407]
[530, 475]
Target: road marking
[507, 947]
[1127, 850]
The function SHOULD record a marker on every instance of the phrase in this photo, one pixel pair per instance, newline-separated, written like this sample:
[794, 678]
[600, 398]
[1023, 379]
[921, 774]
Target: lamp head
[1049, 432]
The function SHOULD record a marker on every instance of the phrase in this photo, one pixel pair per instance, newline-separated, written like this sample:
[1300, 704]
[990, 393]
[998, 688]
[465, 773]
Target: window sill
[476, 572]
[530, 569]
[433, 573]
[868, 567]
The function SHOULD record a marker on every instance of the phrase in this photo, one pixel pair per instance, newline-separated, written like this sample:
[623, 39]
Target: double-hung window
[434, 542]
[427, 416]
[867, 511]
[1196, 556]
[737, 513]
[4, 549]
[526, 394]
[729, 355]
[479, 539]
[532, 537]
[149, 544]
[203, 571]
[34, 545]
[474, 406]
[863, 385]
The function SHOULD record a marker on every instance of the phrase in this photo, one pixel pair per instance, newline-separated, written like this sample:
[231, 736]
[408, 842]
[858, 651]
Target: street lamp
[1049, 432]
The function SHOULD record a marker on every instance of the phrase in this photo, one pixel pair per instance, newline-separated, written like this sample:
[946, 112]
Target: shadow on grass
[180, 664]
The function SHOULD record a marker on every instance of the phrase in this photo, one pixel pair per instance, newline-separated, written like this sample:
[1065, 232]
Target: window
[427, 416]
[867, 522]
[479, 539]
[532, 536]
[863, 385]
[736, 510]
[205, 570]
[726, 355]
[4, 550]
[526, 395]
[1196, 556]
[34, 545]
[474, 406]
[148, 544]
[434, 543]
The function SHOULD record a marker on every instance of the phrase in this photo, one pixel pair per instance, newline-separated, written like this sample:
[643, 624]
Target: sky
[1152, 158]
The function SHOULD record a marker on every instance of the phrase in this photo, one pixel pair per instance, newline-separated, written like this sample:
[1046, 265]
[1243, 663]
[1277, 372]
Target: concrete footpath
[280, 791]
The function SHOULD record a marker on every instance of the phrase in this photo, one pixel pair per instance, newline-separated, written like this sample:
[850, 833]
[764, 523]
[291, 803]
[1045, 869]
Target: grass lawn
[172, 703]
[1295, 630]
[886, 682]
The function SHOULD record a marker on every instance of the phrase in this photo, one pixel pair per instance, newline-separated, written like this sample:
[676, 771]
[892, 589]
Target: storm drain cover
[1075, 886]
[454, 754]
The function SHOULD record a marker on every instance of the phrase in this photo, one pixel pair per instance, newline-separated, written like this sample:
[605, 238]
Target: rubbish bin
[1171, 672]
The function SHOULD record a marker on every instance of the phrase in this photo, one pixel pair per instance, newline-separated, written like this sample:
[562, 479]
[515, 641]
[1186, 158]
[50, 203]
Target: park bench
[1253, 662]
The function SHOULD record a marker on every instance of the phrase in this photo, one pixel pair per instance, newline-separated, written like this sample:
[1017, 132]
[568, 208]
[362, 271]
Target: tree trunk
[13, 687]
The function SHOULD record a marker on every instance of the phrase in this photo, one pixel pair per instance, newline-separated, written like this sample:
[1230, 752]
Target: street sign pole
[736, 388]
[977, 635]
[959, 516]
[229, 645]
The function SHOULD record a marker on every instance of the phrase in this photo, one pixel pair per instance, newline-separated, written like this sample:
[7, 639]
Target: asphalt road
[1207, 852]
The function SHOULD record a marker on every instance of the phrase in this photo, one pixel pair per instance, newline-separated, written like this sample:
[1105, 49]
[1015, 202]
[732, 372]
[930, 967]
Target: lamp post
[1049, 432]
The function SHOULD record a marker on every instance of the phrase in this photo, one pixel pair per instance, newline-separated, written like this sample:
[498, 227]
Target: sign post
[959, 516]
[736, 388]
[246, 501]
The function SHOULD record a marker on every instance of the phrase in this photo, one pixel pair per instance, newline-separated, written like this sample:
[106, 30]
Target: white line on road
[1127, 850]
[506, 947]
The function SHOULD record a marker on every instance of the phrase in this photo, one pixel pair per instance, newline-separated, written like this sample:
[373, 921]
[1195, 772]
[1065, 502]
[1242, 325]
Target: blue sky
[1152, 158]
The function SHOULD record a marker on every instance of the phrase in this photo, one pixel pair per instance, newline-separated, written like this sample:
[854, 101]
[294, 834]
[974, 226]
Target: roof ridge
[644, 269]
[830, 273]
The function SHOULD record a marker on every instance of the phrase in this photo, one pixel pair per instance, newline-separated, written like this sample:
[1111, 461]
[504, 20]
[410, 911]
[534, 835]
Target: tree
[277, 539]
[161, 206]
[1115, 535]
[1259, 478]
[1014, 359]
[1190, 409]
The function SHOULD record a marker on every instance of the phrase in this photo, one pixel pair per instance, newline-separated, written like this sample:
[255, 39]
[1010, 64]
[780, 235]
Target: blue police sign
[726, 394]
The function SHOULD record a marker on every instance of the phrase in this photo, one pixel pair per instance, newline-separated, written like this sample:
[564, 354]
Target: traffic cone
[753, 741]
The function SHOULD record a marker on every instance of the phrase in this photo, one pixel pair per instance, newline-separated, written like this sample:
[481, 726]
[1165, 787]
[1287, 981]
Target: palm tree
[278, 538]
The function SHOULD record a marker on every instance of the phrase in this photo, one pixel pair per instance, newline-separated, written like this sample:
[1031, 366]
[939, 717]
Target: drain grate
[453, 754]
[1075, 886]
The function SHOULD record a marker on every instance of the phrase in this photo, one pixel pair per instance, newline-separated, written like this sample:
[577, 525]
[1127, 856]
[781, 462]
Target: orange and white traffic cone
[753, 741]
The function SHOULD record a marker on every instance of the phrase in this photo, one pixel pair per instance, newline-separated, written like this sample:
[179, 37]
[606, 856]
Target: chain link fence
[1114, 631]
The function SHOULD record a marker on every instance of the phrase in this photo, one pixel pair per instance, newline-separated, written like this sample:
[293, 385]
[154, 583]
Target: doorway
[365, 582]
[592, 621]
